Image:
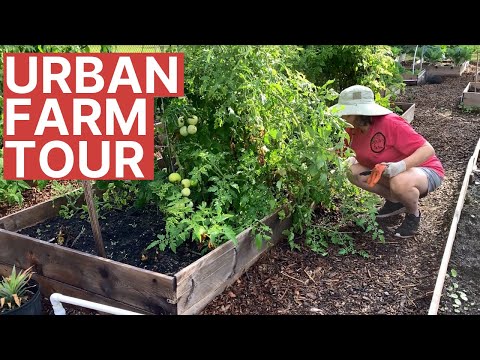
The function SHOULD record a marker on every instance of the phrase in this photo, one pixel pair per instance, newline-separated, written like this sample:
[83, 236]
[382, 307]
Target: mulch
[400, 274]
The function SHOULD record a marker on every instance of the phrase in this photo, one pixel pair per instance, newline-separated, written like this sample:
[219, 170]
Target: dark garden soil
[461, 291]
[125, 234]
[399, 277]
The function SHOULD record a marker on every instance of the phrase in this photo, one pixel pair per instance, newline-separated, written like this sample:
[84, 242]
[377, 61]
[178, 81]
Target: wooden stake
[476, 74]
[97, 235]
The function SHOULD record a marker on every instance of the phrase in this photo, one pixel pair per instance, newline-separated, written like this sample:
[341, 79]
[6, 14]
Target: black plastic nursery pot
[31, 307]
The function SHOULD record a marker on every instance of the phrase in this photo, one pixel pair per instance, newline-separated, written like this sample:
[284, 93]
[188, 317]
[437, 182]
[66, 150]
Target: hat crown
[356, 94]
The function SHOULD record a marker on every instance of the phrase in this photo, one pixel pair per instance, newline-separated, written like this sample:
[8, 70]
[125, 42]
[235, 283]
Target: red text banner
[84, 116]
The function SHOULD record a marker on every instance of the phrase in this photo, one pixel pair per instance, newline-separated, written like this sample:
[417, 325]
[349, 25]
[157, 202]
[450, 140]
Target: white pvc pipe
[414, 57]
[56, 299]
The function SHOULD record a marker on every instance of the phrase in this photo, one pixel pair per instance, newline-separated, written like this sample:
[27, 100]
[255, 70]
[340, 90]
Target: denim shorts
[434, 180]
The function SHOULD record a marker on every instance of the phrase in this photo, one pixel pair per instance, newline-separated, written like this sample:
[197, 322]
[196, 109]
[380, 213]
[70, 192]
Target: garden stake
[97, 235]
[476, 74]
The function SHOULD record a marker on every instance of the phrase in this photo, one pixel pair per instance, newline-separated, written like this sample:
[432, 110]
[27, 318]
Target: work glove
[394, 168]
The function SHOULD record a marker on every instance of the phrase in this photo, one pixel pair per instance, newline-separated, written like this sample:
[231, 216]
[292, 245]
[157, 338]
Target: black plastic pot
[32, 306]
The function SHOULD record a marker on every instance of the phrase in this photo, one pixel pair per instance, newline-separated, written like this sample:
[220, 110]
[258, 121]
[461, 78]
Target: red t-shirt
[390, 138]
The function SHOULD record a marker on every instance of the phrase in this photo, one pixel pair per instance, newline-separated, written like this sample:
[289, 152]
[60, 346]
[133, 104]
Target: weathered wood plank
[408, 110]
[447, 69]
[199, 283]
[469, 96]
[469, 100]
[201, 304]
[148, 290]
[33, 215]
[49, 286]
[414, 79]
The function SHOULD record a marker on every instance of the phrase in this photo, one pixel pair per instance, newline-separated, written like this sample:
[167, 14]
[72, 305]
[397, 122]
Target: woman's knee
[401, 184]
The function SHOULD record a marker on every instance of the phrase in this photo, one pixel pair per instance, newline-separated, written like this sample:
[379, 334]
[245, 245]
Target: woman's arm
[422, 154]
[419, 156]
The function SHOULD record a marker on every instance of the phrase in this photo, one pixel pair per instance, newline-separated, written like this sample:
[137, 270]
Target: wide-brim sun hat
[358, 100]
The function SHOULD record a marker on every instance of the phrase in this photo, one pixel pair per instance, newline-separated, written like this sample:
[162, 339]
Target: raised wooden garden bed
[408, 110]
[471, 95]
[414, 79]
[446, 69]
[466, 254]
[89, 277]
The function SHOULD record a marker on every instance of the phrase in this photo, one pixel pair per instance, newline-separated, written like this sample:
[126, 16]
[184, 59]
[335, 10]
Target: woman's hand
[394, 168]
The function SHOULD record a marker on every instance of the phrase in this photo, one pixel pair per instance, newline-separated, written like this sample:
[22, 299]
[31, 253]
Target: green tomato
[186, 192]
[193, 183]
[183, 131]
[180, 121]
[174, 177]
[193, 120]
[190, 204]
[186, 183]
[192, 129]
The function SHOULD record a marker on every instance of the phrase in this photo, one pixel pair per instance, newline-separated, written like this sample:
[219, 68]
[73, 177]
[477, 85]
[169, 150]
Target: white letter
[82, 74]
[48, 77]
[121, 161]
[138, 109]
[20, 157]
[68, 159]
[83, 160]
[154, 68]
[32, 70]
[58, 122]
[124, 62]
[12, 115]
[78, 118]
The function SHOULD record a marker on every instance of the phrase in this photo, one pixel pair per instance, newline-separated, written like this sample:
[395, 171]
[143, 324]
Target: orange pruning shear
[375, 174]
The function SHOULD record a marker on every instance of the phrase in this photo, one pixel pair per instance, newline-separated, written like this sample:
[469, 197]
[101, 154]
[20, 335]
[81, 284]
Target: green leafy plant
[469, 109]
[372, 65]
[68, 210]
[14, 289]
[11, 191]
[459, 54]
[458, 298]
[433, 53]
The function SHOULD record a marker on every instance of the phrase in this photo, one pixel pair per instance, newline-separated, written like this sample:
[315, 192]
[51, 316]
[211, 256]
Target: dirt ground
[399, 277]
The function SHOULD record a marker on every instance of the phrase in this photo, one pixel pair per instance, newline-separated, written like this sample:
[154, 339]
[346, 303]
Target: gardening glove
[394, 168]
[376, 174]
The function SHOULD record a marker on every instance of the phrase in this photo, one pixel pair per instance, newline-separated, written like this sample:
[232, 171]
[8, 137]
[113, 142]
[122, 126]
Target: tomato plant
[264, 139]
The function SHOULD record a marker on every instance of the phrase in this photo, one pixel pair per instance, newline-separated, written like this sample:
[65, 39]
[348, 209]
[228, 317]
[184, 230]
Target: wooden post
[97, 234]
[476, 73]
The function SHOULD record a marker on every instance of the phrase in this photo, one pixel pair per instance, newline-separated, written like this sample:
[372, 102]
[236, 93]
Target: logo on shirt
[377, 143]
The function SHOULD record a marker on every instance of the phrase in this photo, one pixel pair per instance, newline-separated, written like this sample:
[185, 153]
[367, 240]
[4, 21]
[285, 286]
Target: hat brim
[360, 109]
